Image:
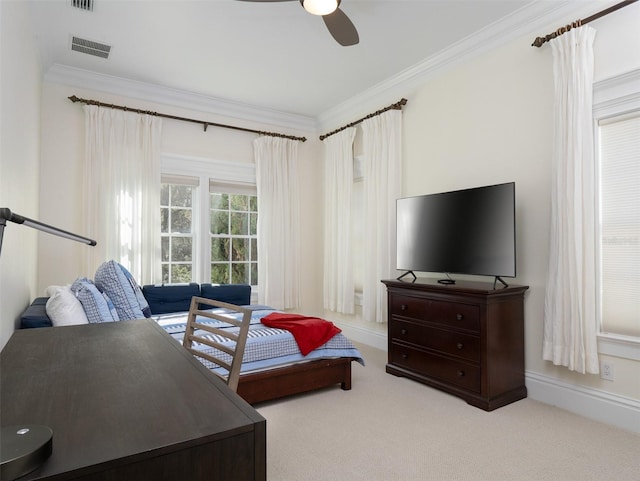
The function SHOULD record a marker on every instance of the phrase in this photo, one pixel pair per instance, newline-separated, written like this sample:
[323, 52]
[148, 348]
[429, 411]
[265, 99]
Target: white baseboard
[363, 335]
[605, 407]
[619, 411]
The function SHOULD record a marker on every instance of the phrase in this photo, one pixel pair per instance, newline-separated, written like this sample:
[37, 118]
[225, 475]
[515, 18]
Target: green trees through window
[234, 220]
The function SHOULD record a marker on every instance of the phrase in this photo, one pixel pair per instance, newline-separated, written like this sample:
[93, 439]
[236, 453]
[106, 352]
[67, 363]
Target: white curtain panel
[570, 311]
[278, 221]
[382, 165]
[338, 187]
[122, 191]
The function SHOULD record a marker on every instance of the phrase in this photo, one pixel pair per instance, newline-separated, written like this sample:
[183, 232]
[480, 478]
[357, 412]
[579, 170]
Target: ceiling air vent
[83, 4]
[90, 47]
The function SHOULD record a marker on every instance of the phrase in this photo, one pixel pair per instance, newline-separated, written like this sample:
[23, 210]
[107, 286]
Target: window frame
[613, 97]
[208, 172]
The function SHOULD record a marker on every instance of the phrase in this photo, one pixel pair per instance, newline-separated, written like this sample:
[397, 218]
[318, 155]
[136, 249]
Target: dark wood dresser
[466, 339]
[126, 401]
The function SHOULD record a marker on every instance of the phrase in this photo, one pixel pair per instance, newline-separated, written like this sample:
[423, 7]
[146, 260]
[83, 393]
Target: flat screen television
[470, 231]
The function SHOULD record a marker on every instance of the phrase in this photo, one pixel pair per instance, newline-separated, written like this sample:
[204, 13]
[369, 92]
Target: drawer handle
[403, 332]
[459, 345]
[459, 317]
[460, 373]
[404, 356]
[403, 307]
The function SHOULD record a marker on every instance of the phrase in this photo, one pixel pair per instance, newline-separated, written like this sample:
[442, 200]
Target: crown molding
[621, 87]
[533, 17]
[86, 79]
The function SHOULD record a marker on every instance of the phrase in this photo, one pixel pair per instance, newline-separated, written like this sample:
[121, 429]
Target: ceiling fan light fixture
[320, 7]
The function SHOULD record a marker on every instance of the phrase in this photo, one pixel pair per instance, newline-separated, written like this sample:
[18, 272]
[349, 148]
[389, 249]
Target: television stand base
[498, 279]
[407, 273]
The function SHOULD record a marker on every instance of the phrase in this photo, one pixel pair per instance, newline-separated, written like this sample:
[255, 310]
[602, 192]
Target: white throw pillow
[63, 308]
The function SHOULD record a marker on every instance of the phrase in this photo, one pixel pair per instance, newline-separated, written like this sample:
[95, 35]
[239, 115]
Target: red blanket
[309, 332]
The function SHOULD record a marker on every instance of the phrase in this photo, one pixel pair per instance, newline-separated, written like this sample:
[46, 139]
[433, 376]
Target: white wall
[62, 176]
[19, 155]
[489, 121]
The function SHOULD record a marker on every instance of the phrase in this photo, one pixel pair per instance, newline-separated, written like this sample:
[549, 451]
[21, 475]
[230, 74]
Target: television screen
[470, 231]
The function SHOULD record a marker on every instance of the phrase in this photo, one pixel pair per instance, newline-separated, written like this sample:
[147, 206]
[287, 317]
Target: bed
[273, 366]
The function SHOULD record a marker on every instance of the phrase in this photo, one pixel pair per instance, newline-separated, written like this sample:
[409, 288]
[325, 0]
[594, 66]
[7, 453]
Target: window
[616, 110]
[234, 239]
[176, 230]
[208, 225]
[619, 228]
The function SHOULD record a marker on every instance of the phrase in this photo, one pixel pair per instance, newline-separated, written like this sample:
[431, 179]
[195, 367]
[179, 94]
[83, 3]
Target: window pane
[165, 274]
[164, 194]
[240, 249]
[620, 225]
[254, 250]
[181, 249]
[239, 223]
[219, 201]
[220, 249]
[239, 273]
[253, 224]
[220, 273]
[220, 222]
[181, 195]
[164, 220]
[239, 202]
[181, 221]
[181, 273]
[164, 249]
[254, 273]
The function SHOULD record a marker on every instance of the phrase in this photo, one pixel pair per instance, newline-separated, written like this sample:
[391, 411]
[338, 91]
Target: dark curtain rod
[539, 41]
[206, 124]
[396, 106]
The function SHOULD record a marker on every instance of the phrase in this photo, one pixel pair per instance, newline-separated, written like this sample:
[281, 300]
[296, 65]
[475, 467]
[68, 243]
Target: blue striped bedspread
[266, 347]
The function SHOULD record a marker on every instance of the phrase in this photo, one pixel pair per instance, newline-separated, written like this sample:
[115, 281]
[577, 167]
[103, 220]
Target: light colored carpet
[390, 428]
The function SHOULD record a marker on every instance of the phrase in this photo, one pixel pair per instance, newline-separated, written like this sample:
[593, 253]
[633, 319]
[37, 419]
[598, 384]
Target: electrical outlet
[606, 370]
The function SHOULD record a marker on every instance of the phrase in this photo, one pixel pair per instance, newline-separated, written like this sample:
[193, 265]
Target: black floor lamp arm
[7, 215]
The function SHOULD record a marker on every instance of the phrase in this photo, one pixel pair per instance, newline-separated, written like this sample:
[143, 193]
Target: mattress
[266, 347]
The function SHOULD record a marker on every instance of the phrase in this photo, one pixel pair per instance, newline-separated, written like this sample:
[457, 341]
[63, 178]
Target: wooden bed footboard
[295, 379]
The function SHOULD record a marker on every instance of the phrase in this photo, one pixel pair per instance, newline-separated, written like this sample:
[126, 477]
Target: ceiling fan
[339, 25]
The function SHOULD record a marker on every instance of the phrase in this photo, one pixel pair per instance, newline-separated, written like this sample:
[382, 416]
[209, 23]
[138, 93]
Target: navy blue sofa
[162, 299]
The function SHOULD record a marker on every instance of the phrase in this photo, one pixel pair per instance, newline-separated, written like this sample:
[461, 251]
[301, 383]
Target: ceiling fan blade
[341, 28]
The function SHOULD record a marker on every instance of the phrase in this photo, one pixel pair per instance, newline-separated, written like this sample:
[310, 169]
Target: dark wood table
[126, 401]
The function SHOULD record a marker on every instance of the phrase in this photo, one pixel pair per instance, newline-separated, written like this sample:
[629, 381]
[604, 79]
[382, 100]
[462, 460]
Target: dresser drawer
[457, 373]
[450, 342]
[464, 316]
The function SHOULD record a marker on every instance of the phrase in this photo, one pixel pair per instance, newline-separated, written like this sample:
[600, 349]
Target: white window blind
[232, 188]
[619, 233]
